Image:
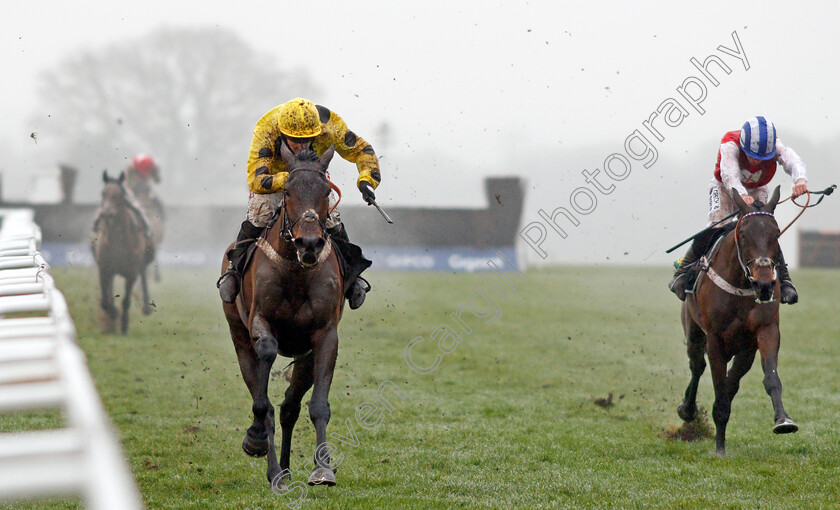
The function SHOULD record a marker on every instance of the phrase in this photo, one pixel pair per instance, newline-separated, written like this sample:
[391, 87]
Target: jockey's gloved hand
[367, 192]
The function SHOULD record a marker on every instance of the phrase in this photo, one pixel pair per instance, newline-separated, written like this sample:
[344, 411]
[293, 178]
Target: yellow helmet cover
[299, 119]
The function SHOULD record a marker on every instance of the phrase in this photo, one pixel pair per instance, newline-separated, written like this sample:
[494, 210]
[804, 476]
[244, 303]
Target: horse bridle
[745, 266]
[287, 226]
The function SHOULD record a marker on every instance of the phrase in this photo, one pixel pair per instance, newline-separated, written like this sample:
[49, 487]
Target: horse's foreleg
[144, 286]
[259, 439]
[106, 300]
[301, 381]
[106, 289]
[768, 345]
[126, 303]
[326, 350]
[696, 347]
[722, 405]
[741, 364]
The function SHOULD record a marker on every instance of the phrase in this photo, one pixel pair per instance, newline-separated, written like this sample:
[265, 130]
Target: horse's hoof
[255, 446]
[686, 413]
[277, 478]
[720, 452]
[322, 476]
[147, 310]
[785, 426]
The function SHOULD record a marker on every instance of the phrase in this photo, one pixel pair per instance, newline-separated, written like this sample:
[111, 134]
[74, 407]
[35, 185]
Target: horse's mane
[307, 155]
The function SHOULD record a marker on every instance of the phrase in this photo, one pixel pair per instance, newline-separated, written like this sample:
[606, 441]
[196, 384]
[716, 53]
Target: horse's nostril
[299, 243]
[319, 245]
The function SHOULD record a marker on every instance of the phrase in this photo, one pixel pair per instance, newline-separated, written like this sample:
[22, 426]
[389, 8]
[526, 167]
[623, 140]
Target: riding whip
[387, 218]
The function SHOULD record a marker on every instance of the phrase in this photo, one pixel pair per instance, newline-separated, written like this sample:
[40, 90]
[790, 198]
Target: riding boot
[677, 285]
[228, 283]
[357, 287]
[789, 294]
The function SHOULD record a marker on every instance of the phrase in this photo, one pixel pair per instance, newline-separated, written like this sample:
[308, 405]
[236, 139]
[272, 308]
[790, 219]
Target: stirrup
[678, 287]
[791, 299]
[228, 285]
[365, 283]
[358, 291]
[228, 271]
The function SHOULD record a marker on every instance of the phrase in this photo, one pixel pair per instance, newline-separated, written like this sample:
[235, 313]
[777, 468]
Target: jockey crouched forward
[301, 125]
[747, 162]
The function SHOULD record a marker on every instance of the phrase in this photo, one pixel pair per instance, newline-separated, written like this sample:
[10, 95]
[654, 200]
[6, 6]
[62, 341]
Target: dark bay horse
[120, 248]
[733, 314]
[290, 304]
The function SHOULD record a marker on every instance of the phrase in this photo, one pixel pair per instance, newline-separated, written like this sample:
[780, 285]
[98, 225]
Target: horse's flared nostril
[319, 244]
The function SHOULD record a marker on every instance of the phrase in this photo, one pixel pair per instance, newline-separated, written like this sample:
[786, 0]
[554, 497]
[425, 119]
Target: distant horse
[733, 314]
[120, 248]
[290, 304]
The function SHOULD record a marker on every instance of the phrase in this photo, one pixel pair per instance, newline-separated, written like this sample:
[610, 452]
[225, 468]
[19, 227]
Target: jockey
[300, 125]
[141, 172]
[747, 162]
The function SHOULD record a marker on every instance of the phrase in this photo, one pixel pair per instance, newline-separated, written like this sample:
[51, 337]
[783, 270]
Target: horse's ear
[121, 178]
[736, 197]
[324, 160]
[774, 200]
[286, 155]
[105, 176]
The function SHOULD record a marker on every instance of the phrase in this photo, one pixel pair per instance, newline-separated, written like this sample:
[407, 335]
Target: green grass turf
[507, 419]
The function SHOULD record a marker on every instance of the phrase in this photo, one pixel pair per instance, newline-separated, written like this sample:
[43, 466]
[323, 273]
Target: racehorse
[290, 304]
[733, 313]
[120, 248]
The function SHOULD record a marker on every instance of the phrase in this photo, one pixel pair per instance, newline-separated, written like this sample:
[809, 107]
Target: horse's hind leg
[301, 381]
[768, 345]
[126, 303]
[326, 351]
[696, 347]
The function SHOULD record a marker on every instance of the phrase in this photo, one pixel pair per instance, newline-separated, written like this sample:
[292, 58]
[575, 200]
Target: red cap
[144, 164]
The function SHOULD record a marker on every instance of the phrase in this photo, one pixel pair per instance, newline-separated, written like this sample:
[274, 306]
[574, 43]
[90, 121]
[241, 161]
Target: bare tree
[188, 97]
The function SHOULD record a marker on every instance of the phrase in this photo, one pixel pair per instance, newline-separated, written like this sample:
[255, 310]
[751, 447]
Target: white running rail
[42, 367]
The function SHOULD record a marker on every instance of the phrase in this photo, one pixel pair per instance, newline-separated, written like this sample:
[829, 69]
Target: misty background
[448, 94]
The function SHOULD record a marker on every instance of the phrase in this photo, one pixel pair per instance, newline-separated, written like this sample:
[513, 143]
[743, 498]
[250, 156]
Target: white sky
[471, 86]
